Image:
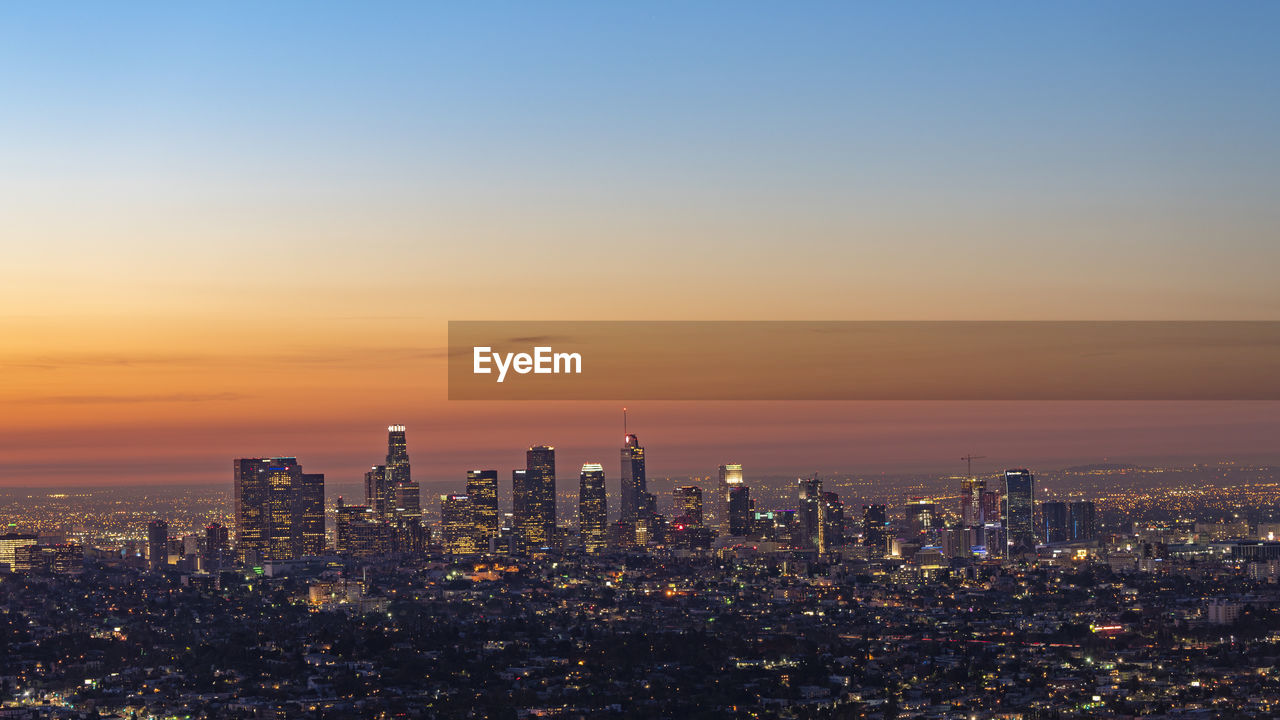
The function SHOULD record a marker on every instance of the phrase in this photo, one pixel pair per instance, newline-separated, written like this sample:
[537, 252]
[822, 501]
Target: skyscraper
[157, 544]
[740, 510]
[922, 516]
[216, 546]
[482, 488]
[1081, 521]
[688, 505]
[457, 524]
[593, 508]
[1019, 513]
[521, 506]
[1054, 517]
[831, 521]
[279, 509]
[875, 519]
[730, 477]
[971, 490]
[809, 495]
[540, 495]
[633, 478]
[403, 490]
[311, 514]
[377, 493]
[360, 533]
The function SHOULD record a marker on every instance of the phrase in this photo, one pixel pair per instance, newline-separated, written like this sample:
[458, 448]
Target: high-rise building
[648, 521]
[157, 544]
[457, 524]
[521, 506]
[633, 478]
[809, 495]
[688, 505]
[279, 509]
[1019, 511]
[740, 507]
[360, 533]
[1082, 521]
[377, 493]
[971, 490]
[875, 521]
[535, 496]
[989, 511]
[10, 542]
[593, 508]
[216, 545]
[311, 514]
[404, 491]
[1054, 517]
[482, 488]
[730, 477]
[922, 517]
[831, 521]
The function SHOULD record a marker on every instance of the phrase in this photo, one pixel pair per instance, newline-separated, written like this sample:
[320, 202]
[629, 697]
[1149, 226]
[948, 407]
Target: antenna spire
[624, 422]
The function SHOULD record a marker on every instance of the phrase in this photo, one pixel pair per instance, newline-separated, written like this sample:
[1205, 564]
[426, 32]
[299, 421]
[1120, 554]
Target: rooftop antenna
[969, 459]
[624, 422]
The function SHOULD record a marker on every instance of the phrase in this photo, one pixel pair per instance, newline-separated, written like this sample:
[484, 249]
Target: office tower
[593, 508]
[922, 517]
[410, 535]
[648, 521]
[10, 542]
[780, 526]
[482, 488]
[875, 520]
[633, 478]
[311, 527]
[730, 477]
[989, 511]
[157, 544]
[971, 490]
[457, 524]
[216, 545]
[688, 505]
[279, 509]
[521, 506]
[1082, 522]
[65, 558]
[404, 491]
[377, 493]
[1019, 504]
[955, 541]
[534, 490]
[809, 494]
[740, 519]
[360, 533]
[1054, 516]
[831, 522]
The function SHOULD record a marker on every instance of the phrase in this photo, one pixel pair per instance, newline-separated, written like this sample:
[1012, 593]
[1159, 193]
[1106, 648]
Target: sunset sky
[240, 229]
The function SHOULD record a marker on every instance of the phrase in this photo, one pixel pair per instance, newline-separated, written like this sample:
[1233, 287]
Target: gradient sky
[238, 229]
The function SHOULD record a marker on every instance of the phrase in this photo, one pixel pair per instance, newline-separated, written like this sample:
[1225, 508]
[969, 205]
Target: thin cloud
[135, 399]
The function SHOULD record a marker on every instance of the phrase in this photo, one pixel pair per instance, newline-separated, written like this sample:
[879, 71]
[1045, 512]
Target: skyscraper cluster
[280, 514]
[279, 510]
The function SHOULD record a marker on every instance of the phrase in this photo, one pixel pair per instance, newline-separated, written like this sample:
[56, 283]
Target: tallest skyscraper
[400, 485]
[634, 486]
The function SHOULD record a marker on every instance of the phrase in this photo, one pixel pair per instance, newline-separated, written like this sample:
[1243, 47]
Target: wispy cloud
[132, 399]
[342, 357]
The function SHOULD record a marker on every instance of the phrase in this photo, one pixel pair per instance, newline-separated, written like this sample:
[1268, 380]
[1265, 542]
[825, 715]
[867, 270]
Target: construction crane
[969, 459]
